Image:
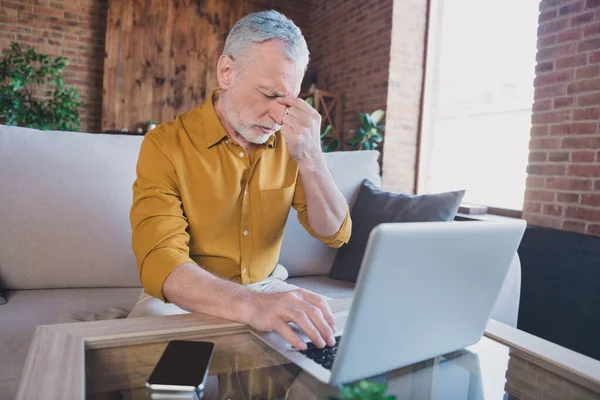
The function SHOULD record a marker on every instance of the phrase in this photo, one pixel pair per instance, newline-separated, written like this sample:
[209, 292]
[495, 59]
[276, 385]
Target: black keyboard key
[324, 356]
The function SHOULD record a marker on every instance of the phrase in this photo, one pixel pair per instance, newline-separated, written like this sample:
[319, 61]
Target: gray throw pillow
[2, 300]
[374, 206]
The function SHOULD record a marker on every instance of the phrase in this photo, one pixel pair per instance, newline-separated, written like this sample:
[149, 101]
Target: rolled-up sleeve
[159, 237]
[342, 236]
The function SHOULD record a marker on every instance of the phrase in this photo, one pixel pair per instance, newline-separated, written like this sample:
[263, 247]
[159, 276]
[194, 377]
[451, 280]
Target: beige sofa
[65, 250]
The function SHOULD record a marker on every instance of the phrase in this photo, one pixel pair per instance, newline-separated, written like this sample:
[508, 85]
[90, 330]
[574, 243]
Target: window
[478, 98]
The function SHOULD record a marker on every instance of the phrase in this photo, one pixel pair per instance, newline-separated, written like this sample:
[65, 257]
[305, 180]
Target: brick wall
[563, 183]
[405, 91]
[350, 51]
[74, 29]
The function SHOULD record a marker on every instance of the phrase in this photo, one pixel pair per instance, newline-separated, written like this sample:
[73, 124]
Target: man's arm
[322, 209]
[196, 290]
[160, 243]
[325, 205]
[159, 225]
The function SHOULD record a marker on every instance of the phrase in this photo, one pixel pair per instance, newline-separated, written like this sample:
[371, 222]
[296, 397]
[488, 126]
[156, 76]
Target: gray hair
[266, 25]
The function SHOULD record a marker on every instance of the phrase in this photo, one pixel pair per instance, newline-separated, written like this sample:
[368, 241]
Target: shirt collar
[214, 131]
[272, 142]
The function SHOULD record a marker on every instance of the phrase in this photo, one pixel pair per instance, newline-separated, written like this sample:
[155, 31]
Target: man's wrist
[245, 307]
[312, 161]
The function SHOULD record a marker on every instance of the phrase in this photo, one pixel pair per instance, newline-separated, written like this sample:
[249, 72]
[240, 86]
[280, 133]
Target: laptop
[424, 289]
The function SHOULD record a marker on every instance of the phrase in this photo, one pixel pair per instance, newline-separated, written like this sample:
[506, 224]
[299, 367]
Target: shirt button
[245, 233]
[227, 141]
[244, 270]
[241, 155]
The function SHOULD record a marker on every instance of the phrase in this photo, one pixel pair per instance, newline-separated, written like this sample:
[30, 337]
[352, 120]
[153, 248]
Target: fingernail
[301, 345]
[331, 340]
[322, 343]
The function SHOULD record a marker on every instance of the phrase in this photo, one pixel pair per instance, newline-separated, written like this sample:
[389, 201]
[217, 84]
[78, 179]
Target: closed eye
[270, 97]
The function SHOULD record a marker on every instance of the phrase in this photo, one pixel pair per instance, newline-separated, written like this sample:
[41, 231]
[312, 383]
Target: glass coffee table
[113, 360]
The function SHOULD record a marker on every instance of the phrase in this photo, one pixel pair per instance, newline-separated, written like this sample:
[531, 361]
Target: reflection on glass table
[475, 373]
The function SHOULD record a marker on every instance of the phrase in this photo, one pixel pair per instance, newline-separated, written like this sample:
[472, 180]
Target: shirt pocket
[275, 207]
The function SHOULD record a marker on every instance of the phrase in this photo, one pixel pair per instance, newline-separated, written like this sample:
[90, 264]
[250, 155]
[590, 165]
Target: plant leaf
[24, 74]
[333, 146]
[369, 121]
[326, 131]
[362, 118]
[377, 115]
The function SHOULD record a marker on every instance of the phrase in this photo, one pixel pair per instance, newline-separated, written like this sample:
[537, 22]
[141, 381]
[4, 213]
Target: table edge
[62, 347]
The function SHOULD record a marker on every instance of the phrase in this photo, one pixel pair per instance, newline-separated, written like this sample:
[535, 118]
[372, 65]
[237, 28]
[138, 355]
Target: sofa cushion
[65, 209]
[324, 286]
[28, 308]
[375, 206]
[303, 255]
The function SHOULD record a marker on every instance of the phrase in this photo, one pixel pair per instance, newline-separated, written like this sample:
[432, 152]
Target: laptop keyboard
[324, 356]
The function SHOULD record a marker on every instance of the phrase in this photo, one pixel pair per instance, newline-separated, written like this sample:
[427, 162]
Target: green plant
[368, 136]
[364, 390]
[310, 100]
[23, 75]
[328, 143]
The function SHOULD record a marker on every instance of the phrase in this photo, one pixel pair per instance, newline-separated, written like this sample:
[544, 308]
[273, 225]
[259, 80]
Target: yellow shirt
[199, 198]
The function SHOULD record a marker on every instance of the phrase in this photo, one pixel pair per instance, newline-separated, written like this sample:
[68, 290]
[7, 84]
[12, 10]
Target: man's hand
[301, 125]
[308, 310]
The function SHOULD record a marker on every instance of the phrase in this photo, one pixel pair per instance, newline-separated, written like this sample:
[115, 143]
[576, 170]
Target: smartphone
[182, 368]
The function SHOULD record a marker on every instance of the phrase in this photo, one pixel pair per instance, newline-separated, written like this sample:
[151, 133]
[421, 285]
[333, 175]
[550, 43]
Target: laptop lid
[424, 289]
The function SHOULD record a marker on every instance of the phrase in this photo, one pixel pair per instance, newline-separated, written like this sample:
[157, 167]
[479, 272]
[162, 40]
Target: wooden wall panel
[161, 57]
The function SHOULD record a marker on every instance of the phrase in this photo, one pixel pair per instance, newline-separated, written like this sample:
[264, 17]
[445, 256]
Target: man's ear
[225, 72]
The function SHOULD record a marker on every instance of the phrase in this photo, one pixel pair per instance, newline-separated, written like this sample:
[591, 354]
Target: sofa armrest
[506, 309]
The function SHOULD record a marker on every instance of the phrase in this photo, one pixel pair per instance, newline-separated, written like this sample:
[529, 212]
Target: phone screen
[183, 363]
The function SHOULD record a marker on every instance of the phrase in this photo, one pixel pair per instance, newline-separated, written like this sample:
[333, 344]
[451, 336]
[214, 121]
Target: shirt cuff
[342, 236]
[157, 267]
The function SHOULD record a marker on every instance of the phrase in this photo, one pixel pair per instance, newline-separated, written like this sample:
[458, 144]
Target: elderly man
[215, 186]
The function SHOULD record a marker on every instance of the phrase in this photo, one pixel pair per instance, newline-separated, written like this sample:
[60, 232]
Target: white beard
[251, 135]
[248, 130]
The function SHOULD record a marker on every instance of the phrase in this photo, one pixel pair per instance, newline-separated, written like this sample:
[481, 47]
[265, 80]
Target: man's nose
[277, 112]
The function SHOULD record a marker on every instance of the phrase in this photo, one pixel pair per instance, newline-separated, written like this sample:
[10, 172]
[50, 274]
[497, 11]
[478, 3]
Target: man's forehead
[273, 69]
[282, 83]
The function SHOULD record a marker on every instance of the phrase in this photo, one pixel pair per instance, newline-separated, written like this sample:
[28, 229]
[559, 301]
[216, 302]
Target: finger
[299, 317]
[302, 119]
[287, 131]
[320, 302]
[292, 122]
[320, 308]
[296, 103]
[290, 336]
[296, 113]
[316, 317]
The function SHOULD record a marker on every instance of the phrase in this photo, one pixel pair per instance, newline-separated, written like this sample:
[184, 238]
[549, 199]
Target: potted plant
[369, 134]
[23, 75]
[364, 390]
